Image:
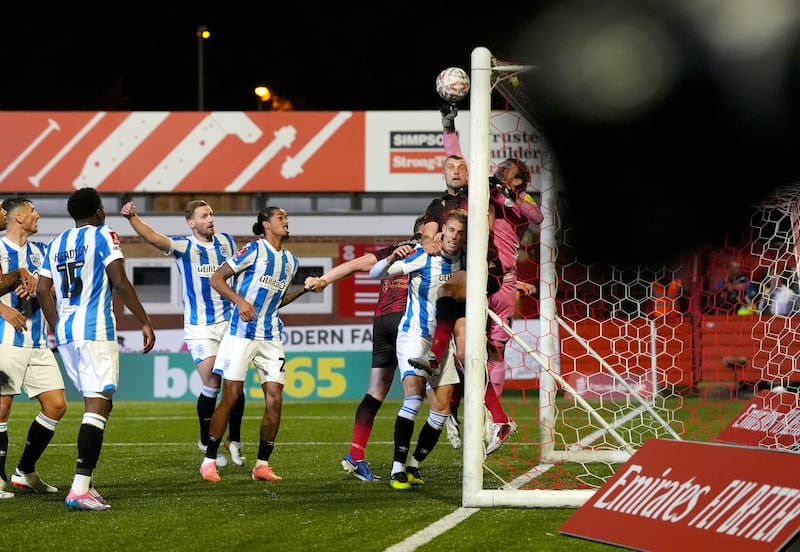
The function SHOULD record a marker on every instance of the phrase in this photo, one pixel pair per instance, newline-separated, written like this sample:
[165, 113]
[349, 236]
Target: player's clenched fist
[128, 210]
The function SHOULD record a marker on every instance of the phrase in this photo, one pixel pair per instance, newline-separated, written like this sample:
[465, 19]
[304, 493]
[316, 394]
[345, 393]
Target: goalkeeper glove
[511, 196]
[449, 112]
[504, 193]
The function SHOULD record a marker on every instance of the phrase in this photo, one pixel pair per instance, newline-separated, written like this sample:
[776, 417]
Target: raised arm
[451, 143]
[531, 209]
[145, 231]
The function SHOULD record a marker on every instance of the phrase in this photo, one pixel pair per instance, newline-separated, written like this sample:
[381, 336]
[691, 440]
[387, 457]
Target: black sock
[235, 420]
[428, 437]
[38, 439]
[212, 450]
[205, 409]
[265, 449]
[3, 452]
[90, 442]
[403, 430]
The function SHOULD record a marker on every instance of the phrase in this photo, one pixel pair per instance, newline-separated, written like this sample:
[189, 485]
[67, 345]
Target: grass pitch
[148, 472]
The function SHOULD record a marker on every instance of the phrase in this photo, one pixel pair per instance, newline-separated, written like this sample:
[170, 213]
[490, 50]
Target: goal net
[595, 368]
[608, 356]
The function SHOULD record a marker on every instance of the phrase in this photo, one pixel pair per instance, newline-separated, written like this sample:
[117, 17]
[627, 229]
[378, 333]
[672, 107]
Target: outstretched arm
[341, 271]
[387, 267]
[145, 231]
[293, 294]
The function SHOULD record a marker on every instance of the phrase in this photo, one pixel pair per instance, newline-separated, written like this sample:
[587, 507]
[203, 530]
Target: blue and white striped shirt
[197, 262]
[263, 276]
[76, 261]
[29, 256]
[426, 275]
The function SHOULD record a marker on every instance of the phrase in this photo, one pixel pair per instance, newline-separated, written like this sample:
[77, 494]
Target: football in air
[452, 84]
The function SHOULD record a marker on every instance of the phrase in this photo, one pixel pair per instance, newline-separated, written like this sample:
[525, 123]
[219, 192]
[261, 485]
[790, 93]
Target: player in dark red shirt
[388, 311]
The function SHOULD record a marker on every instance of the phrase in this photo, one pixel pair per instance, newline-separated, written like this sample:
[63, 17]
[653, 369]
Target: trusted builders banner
[678, 495]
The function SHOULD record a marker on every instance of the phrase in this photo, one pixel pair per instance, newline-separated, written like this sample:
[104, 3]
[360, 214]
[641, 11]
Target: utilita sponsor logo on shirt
[677, 495]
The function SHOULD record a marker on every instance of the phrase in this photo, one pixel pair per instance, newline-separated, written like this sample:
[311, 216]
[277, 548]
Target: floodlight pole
[202, 35]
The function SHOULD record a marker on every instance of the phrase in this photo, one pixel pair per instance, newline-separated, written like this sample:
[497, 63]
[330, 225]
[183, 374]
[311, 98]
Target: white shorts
[93, 366]
[236, 353]
[35, 370]
[413, 346]
[203, 341]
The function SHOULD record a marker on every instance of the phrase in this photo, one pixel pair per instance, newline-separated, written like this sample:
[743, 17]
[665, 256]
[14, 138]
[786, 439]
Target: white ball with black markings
[452, 84]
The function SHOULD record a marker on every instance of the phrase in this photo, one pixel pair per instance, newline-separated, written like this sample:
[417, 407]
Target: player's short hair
[192, 206]
[11, 203]
[84, 203]
[460, 215]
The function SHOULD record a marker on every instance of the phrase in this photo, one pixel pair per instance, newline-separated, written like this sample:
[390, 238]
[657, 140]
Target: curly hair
[84, 203]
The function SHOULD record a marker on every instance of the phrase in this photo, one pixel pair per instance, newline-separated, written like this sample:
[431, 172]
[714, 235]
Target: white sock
[80, 484]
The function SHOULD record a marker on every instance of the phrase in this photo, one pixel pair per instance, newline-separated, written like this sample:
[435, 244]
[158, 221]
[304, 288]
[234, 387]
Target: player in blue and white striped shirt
[206, 314]
[263, 272]
[83, 267]
[28, 362]
[427, 273]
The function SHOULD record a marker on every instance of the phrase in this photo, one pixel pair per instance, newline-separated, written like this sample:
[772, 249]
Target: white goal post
[486, 73]
[473, 493]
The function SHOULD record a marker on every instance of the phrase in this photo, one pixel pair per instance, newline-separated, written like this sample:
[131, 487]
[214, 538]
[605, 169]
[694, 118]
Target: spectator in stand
[734, 293]
[388, 311]
[206, 314]
[778, 297]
